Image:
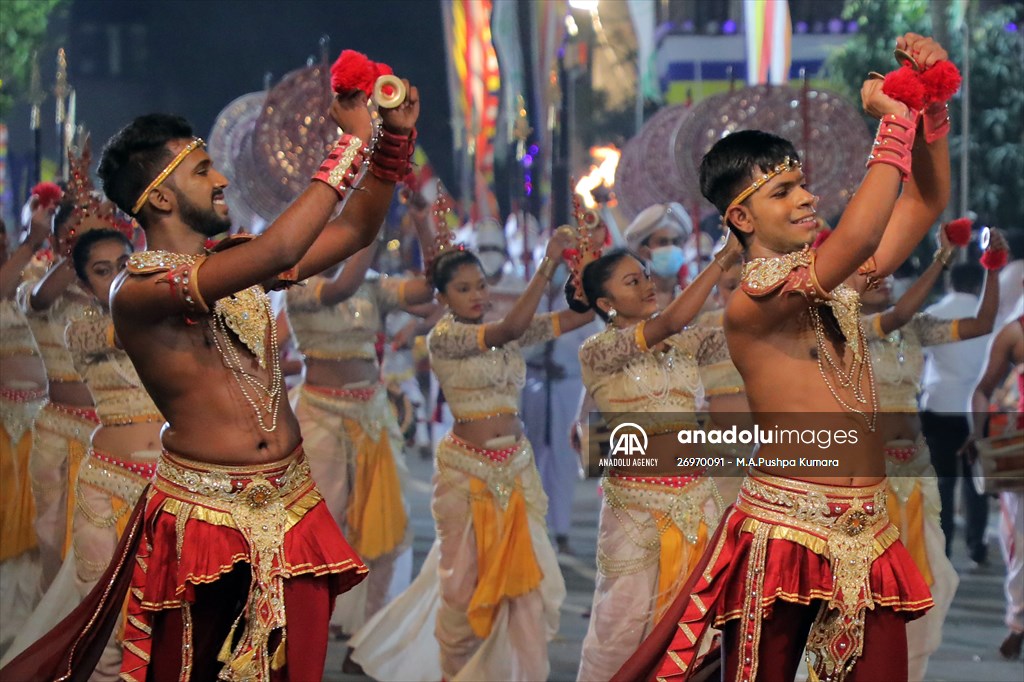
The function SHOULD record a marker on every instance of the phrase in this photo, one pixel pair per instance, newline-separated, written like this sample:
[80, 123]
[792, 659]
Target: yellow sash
[674, 550]
[17, 506]
[506, 564]
[76, 453]
[912, 528]
[376, 517]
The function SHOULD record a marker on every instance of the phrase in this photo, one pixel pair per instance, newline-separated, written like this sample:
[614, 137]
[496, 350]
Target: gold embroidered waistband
[685, 505]
[122, 478]
[811, 513]
[500, 477]
[18, 409]
[220, 487]
[72, 423]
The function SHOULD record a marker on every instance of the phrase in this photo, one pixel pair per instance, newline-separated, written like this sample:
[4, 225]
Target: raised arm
[687, 305]
[365, 210]
[860, 230]
[346, 282]
[281, 251]
[14, 266]
[514, 324]
[984, 319]
[911, 301]
[926, 192]
[52, 285]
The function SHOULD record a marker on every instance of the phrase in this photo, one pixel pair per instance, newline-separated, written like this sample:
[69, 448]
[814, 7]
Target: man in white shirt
[950, 375]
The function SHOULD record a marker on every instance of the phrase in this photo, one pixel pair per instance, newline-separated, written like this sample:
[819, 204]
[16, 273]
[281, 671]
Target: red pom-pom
[904, 85]
[49, 194]
[941, 81]
[820, 239]
[382, 69]
[353, 71]
[994, 259]
[959, 231]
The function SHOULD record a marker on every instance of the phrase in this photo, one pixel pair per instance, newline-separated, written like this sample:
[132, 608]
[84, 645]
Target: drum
[1000, 463]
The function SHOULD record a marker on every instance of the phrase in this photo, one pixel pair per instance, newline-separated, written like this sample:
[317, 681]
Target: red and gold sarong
[797, 542]
[200, 521]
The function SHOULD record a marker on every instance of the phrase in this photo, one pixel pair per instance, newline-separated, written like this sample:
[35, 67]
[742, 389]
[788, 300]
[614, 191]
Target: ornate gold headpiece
[175, 162]
[88, 205]
[443, 235]
[587, 250]
[786, 166]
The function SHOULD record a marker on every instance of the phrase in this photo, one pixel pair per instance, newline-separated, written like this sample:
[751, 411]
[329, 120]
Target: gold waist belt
[222, 487]
[497, 472]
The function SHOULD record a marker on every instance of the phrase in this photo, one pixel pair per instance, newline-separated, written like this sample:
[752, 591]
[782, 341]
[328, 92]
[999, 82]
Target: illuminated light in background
[603, 173]
[801, 27]
[729, 27]
[835, 26]
[570, 26]
[852, 26]
[1011, 27]
[585, 5]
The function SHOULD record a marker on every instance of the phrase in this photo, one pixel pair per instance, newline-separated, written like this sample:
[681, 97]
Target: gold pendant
[845, 305]
[246, 314]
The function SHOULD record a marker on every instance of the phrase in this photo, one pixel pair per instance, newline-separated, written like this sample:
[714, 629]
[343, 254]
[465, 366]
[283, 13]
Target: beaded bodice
[346, 330]
[109, 374]
[48, 328]
[898, 360]
[15, 336]
[623, 376]
[717, 371]
[478, 381]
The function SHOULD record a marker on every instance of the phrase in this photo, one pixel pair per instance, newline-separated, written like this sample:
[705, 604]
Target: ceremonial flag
[769, 33]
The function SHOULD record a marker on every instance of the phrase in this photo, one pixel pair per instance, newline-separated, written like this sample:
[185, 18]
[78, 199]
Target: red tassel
[959, 231]
[820, 239]
[904, 85]
[994, 259]
[49, 193]
[941, 81]
[353, 71]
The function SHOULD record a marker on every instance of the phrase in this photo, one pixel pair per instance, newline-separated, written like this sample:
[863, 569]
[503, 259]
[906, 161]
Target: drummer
[1006, 355]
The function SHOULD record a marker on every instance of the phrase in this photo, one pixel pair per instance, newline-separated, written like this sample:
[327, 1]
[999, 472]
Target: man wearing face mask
[657, 235]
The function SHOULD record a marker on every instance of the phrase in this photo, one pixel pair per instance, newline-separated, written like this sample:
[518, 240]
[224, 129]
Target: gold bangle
[547, 268]
[720, 260]
[944, 255]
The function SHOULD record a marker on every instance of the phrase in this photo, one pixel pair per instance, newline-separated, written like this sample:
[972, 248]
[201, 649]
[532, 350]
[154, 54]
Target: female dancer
[896, 335]
[350, 433]
[50, 299]
[489, 591]
[22, 394]
[653, 528]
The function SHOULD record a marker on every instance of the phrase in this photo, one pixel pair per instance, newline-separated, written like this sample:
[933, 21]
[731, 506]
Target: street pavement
[971, 637]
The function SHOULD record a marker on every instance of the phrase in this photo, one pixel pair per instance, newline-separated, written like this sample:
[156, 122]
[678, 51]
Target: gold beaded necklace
[248, 315]
[861, 363]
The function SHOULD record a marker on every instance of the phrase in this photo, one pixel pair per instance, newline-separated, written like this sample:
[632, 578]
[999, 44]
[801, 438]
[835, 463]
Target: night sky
[200, 54]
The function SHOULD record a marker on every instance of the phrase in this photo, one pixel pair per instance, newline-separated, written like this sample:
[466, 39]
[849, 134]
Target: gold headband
[175, 162]
[786, 166]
